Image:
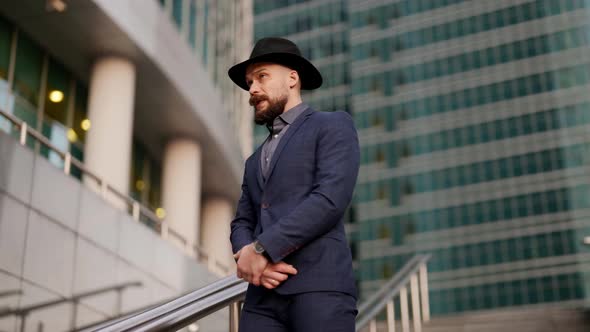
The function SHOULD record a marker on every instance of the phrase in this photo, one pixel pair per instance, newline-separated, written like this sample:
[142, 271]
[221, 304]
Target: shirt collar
[287, 117]
[293, 113]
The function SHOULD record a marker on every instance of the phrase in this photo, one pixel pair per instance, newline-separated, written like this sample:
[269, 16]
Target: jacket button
[265, 205]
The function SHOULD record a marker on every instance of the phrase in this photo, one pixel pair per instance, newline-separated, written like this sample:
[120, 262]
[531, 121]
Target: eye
[262, 75]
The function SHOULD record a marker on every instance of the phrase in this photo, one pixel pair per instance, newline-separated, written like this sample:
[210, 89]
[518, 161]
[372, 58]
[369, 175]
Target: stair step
[548, 319]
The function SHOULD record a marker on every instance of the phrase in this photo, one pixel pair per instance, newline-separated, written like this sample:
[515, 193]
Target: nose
[254, 88]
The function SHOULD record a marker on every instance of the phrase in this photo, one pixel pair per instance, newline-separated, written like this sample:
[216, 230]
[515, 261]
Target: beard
[275, 108]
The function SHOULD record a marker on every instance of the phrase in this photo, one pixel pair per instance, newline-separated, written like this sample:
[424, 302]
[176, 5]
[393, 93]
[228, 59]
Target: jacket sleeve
[244, 223]
[337, 164]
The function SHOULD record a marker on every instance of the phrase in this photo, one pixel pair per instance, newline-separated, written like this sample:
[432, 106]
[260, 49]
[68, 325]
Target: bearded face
[269, 90]
[267, 109]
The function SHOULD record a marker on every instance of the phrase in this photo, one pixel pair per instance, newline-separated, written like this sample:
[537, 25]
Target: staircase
[547, 319]
[230, 292]
[408, 289]
[514, 320]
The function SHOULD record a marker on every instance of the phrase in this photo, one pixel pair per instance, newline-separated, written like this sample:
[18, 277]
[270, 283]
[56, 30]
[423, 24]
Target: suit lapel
[285, 139]
[257, 167]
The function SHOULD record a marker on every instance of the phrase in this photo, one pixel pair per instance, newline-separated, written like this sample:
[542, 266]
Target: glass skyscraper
[473, 118]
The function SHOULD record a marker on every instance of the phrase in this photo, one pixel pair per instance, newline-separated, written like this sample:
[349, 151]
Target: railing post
[424, 293]
[135, 211]
[234, 316]
[23, 321]
[164, 230]
[415, 303]
[119, 304]
[103, 188]
[403, 302]
[74, 317]
[67, 163]
[390, 317]
[23, 133]
[189, 248]
[210, 263]
[373, 325]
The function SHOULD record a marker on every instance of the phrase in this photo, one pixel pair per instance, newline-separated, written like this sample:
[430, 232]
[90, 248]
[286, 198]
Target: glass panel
[57, 93]
[137, 184]
[155, 186]
[27, 73]
[81, 123]
[5, 43]
[177, 12]
[192, 24]
[57, 135]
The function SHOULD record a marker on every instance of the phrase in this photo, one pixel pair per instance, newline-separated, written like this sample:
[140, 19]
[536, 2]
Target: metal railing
[136, 209]
[12, 292]
[185, 310]
[230, 292]
[413, 275]
[24, 312]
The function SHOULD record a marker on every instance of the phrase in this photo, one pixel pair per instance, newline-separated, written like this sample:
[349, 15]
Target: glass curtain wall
[38, 89]
[469, 117]
[145, 180]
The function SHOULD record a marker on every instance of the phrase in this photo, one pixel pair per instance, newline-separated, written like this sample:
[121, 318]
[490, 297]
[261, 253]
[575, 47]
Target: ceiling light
[55, 5]
[56, 96]
[140, 185]
[72, 136]
[161, 213]
[85, 124]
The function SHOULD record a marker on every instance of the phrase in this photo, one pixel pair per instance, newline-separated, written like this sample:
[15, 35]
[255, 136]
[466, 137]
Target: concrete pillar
[181, 190]
[107, 150]
[215, 230]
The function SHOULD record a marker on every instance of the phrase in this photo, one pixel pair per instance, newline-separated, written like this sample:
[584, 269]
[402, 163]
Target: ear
[293, 79]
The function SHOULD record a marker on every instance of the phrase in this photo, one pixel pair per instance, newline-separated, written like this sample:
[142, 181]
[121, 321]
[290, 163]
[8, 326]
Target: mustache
[256, 99]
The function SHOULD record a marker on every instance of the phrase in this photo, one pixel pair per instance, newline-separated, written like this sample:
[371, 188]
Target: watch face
[258, 247]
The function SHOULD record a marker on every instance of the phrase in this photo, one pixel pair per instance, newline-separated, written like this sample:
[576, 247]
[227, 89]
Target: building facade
[472, 117]
[137, 91]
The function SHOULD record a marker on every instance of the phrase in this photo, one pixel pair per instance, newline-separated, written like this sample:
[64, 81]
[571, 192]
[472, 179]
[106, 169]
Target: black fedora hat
[280, 51]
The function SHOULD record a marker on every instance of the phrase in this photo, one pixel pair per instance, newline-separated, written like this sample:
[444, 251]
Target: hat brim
[309, 75]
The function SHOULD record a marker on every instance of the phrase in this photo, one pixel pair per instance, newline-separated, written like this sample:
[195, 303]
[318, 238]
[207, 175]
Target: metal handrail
[24, 312]
[137, 209]
[74, 298]
[13, 292]
[388, 286]
[196, 310]
[182, 311]
[414, 274]
[230, 291]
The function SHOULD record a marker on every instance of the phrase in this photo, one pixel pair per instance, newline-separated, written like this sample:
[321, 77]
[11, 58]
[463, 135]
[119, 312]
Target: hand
[276, 274]
[250, 264]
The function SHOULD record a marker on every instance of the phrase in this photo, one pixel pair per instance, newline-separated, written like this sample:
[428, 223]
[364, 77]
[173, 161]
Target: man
[288, 235]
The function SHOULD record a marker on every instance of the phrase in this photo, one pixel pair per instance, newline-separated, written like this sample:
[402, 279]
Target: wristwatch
[258, 248]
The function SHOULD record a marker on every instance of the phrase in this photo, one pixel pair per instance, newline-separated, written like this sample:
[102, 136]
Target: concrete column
[181, 189]
[215, 230]
[110, 111]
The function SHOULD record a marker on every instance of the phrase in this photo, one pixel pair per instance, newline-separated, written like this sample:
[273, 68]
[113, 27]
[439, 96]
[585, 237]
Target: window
[5, 46]
[57, 94]
[192, 24]
[177, 12]
[27, 75]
